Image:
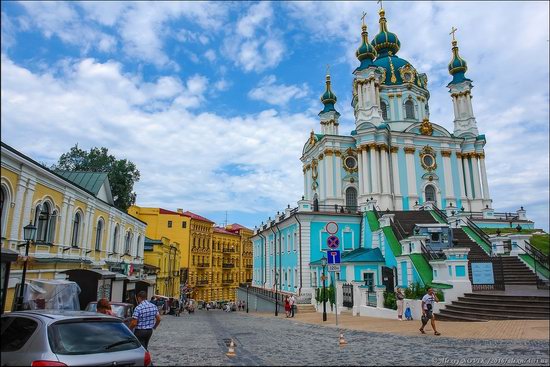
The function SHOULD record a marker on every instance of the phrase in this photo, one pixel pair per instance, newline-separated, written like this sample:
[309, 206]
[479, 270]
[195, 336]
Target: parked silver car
[68, 338]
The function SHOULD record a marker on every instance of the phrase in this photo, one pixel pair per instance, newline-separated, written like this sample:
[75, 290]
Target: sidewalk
[494, 329]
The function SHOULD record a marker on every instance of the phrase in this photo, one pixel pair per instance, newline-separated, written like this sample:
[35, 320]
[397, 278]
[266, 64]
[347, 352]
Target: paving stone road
[199, 340]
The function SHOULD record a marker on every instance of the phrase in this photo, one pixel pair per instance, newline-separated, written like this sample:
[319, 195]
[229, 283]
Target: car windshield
[88, 337]
[118, 310]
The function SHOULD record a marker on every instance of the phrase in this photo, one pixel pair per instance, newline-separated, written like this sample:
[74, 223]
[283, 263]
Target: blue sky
[214, 101]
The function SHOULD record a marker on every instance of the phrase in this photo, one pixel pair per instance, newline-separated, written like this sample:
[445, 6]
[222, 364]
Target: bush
[417, 291]
[390, 301]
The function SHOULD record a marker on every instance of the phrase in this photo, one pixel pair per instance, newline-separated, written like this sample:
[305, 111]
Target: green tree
[121, 172]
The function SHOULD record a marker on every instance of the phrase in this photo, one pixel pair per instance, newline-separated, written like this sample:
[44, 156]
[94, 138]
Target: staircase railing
[539, 261]
[537, 255]
[429, 254]
[400, 234]
[441, 213]
[376, 213]
[484, 237]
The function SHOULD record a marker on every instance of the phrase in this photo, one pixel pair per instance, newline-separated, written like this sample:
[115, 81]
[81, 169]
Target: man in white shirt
[427, 310]
[292, 301]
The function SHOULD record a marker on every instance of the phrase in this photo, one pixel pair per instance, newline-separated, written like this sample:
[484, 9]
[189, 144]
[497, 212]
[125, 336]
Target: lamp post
[324, 264]
[247, 286]
[29, 232]
[276, 294]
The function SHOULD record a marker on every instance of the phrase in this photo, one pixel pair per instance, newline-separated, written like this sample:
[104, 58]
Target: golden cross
[380, 2]
[453, 30]
[363, 17]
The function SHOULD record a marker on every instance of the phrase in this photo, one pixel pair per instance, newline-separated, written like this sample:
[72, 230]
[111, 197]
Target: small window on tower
[183, 225]
[169, 224]
[409, 109]
[384, 109]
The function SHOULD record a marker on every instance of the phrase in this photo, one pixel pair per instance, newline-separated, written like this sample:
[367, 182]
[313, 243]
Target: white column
[460, 174]
[87, 228]
[322, 180]
[392, 109]
[63, 221]
[374, 169]
[329, 175]
[27, 211]
[377, 178]
[16, 219]
[395, 170]
[448, 174]
[467, 176]
[305, 184]
[477, 180]
[486, 195]
[366, 171]
[376, 95]
[360, 97]
[68, 222]
[455, 107]
[385, 171]
[360, 169]
[338, 170]
[411, 172]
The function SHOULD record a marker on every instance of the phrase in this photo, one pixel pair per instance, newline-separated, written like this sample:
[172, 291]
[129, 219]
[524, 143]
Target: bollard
[341, 340]
[231, 351]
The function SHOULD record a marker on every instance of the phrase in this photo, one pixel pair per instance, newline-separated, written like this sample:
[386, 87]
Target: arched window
[76, 230]
[3, 208]
[351, 198]
[384, 108]
[315, 203]
[138, 252]
[42, 225]
[430, 193]
[409, 109]
[115, 239]
[98, 235]
[127, 242]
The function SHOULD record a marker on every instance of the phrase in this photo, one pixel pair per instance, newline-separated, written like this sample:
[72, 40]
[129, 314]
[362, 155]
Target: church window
[76, 230]
[351, 198]
[409, 109]
[3, 208]
[315, 203]
[384, 108]
[350, 163]
[430, 193]
[98, 233]
[428, 160]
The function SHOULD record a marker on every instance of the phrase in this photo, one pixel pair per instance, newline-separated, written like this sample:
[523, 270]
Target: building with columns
[392, 195]
[80, 234]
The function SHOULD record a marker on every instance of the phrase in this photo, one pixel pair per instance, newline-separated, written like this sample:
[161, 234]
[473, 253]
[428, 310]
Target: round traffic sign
[333, 242]
[331, 227]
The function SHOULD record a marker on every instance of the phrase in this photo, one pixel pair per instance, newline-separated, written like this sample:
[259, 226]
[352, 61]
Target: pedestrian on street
[399, 299]
[292, 301]
[427, 310]
[104, 307]
[145, 319]
[287, 306]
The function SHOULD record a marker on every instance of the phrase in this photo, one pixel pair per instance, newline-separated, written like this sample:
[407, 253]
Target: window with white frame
[384, 109]
[45, 219]
[288, 243]
[314, 278]
[76, 230]
[294, 243]
[98, 234]
[115, 239]
[3, 209]
[128, 242]
[409, 109]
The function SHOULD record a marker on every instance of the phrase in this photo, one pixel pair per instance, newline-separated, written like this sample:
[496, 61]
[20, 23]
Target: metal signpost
[333, 257]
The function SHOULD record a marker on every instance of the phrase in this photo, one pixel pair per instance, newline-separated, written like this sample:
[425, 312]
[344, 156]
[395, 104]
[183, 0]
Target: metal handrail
[440, 213]
[478, 231]
[429, 253]
[538, 255]
[344, 209]
[376, 214]
[396, 230]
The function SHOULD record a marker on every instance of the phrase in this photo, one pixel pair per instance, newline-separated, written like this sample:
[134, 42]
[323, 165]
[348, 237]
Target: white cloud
[210, 55]
[277, 94]
[178, 152]
[255, 45]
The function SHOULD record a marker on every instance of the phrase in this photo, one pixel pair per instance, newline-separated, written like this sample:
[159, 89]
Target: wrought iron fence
[371, 298]
[343, 209]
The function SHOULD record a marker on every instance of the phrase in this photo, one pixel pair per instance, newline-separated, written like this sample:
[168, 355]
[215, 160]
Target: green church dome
[457, 66]
[366, 52]
[328, 98]
[385, 42]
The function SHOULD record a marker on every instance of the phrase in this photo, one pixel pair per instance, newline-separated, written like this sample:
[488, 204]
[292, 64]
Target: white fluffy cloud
[210, 160]
[277, 94]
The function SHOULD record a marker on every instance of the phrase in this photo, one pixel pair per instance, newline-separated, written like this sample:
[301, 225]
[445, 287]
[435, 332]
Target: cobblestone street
[199, 340]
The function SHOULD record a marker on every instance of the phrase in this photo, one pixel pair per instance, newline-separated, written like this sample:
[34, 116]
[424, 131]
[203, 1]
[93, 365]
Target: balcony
[228, 250]
[201, 283]
[227, 281]
[203, 265]
[249, 266]
[228, 266]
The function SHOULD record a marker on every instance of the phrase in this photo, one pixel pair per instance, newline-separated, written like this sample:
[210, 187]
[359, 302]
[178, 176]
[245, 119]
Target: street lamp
[29, 233]
[247, 286]
[324, 264]
[276, 295]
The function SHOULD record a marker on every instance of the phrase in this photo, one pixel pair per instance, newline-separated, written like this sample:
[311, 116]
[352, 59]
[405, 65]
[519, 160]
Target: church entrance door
[388, 278]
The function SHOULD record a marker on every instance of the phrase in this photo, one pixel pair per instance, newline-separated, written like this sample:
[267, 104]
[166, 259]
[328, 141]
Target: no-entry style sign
[331, 227]
[333, 242]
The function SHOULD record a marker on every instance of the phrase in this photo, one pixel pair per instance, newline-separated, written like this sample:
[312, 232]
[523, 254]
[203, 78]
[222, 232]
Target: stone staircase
[305, 308]
[463, 240]
[516, 272]
[490, 306]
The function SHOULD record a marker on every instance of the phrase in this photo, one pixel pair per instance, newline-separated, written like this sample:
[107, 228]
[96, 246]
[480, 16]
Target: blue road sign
[333, 256]
[333, 242]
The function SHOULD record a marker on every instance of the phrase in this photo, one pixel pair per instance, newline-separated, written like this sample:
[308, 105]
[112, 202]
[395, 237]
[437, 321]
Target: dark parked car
[120, 309]
[68, 338]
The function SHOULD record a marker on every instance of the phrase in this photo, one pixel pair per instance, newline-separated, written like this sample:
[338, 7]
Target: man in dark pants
[145, 319]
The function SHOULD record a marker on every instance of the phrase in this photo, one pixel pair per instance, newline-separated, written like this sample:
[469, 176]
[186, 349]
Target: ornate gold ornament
[409, 150]
[426, 127]
[393, 78]
[312, 138]
[407, 73]
[394, 149]
[446, 153]
[350, 163]
[383, 76]
[427, 158]
[314, 170]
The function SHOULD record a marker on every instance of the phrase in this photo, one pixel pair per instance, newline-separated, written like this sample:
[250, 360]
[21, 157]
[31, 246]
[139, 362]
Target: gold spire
[382, 13]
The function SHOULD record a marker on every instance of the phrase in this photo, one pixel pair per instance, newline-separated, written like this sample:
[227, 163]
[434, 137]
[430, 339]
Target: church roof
[196, 216]
[90, 181]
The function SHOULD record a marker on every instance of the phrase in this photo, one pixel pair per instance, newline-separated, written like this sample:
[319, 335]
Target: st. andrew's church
[402, 199]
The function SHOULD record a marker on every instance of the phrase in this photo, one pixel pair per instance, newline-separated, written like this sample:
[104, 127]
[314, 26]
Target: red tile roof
[235, 227]
[224, 231]
[196, 216]
[164, 211]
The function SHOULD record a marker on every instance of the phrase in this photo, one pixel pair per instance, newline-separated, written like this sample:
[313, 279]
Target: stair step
[480, 304]
[490, 316]
[506, 298]
[441, 316]
[518, 311]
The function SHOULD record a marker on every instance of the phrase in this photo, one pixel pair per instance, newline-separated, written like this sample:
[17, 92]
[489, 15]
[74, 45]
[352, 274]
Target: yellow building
[165, 256]
[172, 257]
[200, 257]
[80, 234]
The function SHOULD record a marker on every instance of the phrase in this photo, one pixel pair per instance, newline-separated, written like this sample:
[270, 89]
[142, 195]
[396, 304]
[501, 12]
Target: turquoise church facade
[395, 159]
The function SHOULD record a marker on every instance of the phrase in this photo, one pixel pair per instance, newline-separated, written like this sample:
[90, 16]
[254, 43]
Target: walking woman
[287, 306]
[399, 297]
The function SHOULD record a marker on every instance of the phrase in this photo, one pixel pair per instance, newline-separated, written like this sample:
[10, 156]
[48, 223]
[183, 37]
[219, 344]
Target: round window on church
[350, 162]
[428, 160]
